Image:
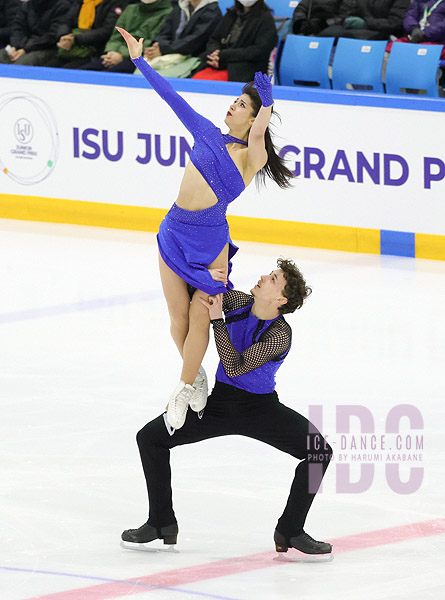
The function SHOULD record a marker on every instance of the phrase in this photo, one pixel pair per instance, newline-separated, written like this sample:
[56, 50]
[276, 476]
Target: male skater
[252, 343]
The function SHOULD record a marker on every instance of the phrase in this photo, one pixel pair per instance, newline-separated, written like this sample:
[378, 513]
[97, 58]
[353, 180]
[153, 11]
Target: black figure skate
[309, 550]
[134, 539]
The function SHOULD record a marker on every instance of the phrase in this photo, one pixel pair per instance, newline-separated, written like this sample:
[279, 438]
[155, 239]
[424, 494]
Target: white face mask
[247, 3]
[151, 1]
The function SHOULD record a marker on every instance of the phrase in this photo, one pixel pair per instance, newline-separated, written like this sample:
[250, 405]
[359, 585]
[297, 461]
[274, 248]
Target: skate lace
[138, 528]
[198, 384]
[305, 536]
[180, 403]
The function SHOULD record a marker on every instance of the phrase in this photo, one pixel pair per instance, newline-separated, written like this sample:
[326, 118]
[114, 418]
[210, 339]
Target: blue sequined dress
[188, 240]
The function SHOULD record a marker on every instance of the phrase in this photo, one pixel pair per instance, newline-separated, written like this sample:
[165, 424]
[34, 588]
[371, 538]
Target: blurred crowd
[193, 38]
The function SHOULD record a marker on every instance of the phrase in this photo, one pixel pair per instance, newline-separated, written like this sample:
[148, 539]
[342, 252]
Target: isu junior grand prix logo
[29, 140]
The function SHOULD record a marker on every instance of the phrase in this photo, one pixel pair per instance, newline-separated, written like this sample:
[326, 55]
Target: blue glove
[264, 87]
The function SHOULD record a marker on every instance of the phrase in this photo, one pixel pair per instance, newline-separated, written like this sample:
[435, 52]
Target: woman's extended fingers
[127, 36]
[262, 80]
[134, 46]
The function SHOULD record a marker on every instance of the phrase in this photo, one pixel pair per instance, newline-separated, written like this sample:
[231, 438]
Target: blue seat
[358, 65]
[305, 61]
[413, 67]
[225, 4]
[283, 26]
[282, 8]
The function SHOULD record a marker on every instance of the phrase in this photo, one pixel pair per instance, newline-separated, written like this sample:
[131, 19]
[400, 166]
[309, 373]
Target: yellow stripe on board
[430, 246]
[96, 214]
[272, 231]
[311, 235]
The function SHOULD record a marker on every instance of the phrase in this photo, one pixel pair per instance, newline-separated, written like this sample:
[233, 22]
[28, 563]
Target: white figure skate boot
[199, 398]
[178, 404]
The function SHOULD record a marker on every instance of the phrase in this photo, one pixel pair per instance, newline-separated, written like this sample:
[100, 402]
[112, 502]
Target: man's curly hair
[296, 290]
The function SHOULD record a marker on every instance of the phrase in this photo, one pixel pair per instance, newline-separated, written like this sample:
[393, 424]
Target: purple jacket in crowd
[435, 30]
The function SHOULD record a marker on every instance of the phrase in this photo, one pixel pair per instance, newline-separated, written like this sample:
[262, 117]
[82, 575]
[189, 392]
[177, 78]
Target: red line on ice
[233, 566]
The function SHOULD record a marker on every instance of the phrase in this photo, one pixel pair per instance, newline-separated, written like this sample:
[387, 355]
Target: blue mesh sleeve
[192, 120]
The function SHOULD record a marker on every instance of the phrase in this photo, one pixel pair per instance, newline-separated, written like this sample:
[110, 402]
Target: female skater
[194, 243]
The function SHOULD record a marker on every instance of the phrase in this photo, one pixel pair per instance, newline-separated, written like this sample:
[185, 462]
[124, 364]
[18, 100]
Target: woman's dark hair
[275, 167]
[296, 290]
[255, 9]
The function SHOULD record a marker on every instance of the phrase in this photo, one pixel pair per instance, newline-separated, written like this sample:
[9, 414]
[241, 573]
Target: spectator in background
[86, 32]
[143, 20]
[424, 23]
[35, 32]
[8, 10]
[312, 16]
[368, 19]
[241, 44]
[183, 37]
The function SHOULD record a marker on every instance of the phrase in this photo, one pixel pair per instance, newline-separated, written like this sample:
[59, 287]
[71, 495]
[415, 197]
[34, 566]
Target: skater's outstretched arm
[192, 120]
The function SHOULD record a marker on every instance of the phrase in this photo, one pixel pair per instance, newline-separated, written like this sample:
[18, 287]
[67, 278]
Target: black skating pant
[232, 411]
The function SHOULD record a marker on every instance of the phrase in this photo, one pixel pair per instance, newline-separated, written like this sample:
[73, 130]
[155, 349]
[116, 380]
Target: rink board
[104, 149]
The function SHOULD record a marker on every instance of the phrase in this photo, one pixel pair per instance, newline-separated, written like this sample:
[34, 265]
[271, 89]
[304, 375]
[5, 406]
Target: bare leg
[178, 303]
[197, 340]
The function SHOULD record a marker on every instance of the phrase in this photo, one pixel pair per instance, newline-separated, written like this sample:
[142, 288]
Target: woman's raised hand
[264, 86]
[135, 47]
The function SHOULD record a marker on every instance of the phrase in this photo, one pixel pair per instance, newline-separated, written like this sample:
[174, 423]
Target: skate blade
[144, 548]
[299, 557]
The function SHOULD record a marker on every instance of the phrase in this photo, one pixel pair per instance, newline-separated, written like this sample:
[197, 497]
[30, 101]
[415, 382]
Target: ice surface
[86, 360]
